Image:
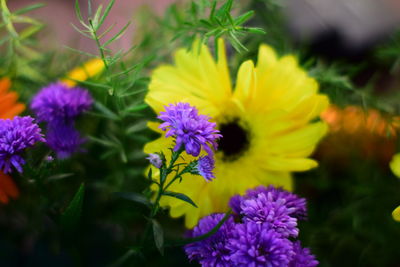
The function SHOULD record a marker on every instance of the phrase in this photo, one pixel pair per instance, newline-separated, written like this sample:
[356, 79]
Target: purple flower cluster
[191, 130]
[260, 233]
[59, 106]
[15, 136]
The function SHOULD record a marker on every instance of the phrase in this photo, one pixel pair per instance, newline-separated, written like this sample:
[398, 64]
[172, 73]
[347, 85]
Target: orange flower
[9, 107]
[354, 120]
[8, 189]
[353, 129]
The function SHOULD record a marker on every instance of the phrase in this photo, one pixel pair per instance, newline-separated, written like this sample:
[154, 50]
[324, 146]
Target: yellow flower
[84, 72]
[395, 167]
[265, 123]
[396, 214]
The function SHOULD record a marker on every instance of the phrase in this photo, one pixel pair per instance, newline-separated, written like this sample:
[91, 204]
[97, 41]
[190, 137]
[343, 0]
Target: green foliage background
[69, 213]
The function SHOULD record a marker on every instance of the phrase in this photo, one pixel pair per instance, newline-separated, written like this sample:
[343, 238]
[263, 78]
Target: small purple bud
[155, 160]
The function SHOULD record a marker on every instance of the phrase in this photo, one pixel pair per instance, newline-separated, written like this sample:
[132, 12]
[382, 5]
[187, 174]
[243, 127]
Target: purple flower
[59, 106]
[296, 205]
[15, 136]
[263, 208]
[191, 130]
[213, 250]
[64, 139]
[205, 166]
[155, 160]
[57, 102]
[254, 245]
[302, 257]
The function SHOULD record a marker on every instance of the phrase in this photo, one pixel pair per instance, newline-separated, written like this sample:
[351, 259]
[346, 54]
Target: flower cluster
[59, 106]
[191, 130]
[16, 135]
[260, 232]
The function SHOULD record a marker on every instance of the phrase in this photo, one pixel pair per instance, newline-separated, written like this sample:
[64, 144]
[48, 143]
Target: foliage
[96, 208]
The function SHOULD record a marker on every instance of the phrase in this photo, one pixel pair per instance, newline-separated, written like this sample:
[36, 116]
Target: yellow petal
[396, 214]
[395, 165]
[84, 72]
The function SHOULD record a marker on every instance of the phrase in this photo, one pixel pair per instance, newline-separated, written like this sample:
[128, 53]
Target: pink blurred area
[58, 15]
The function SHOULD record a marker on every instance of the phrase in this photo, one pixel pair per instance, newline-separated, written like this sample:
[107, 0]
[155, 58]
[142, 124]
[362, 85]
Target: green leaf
[158, 236]
[106, 11]
[28, 8]
[136, 108]
[180, 196]
[78, 12]
[106, 111]
[116, 36]
[70, 217]
[135, 197]
[204, 236]
[243, 18]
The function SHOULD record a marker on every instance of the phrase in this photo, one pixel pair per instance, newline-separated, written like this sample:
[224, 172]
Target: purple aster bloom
[191, 130]
[213, 250]
[15, 136]
[155, 160]
[296, 205]
[263, 208]
[302, 257]
[205, 166]
[64, 139]
[234, 203]
[254, 245]
[57, 102]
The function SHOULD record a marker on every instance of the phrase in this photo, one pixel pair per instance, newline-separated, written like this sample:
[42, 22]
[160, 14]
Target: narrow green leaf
[29, 31]
[106, 31]
[158, 236]
[204, 236]
[81, 52]
[180, 196]
[105, 14]
[244, 17]
[135, 197]
[116, 36]
[212, 12]
[136, 108]
[255, 30]
[28, 8]
[70, 217]
[78, 12]
[106, 111]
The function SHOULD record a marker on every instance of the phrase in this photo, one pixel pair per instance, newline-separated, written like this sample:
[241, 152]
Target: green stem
[161, 189]
[98, 44]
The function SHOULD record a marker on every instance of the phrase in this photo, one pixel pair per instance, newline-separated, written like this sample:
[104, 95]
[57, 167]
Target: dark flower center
[234, 141]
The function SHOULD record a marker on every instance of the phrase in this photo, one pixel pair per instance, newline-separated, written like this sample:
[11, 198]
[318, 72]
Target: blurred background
[335, 27]
[352, 47]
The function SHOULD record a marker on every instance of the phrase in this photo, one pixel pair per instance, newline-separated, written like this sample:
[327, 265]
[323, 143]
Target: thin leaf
[116, 36]
[244, 17]
[180, 196]
[136, 108]
[28, 8]
[158, 236]
[106, 111]
[135, 197]
[78, 12]
[106, 11]
[204, 236]
[70, 217]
